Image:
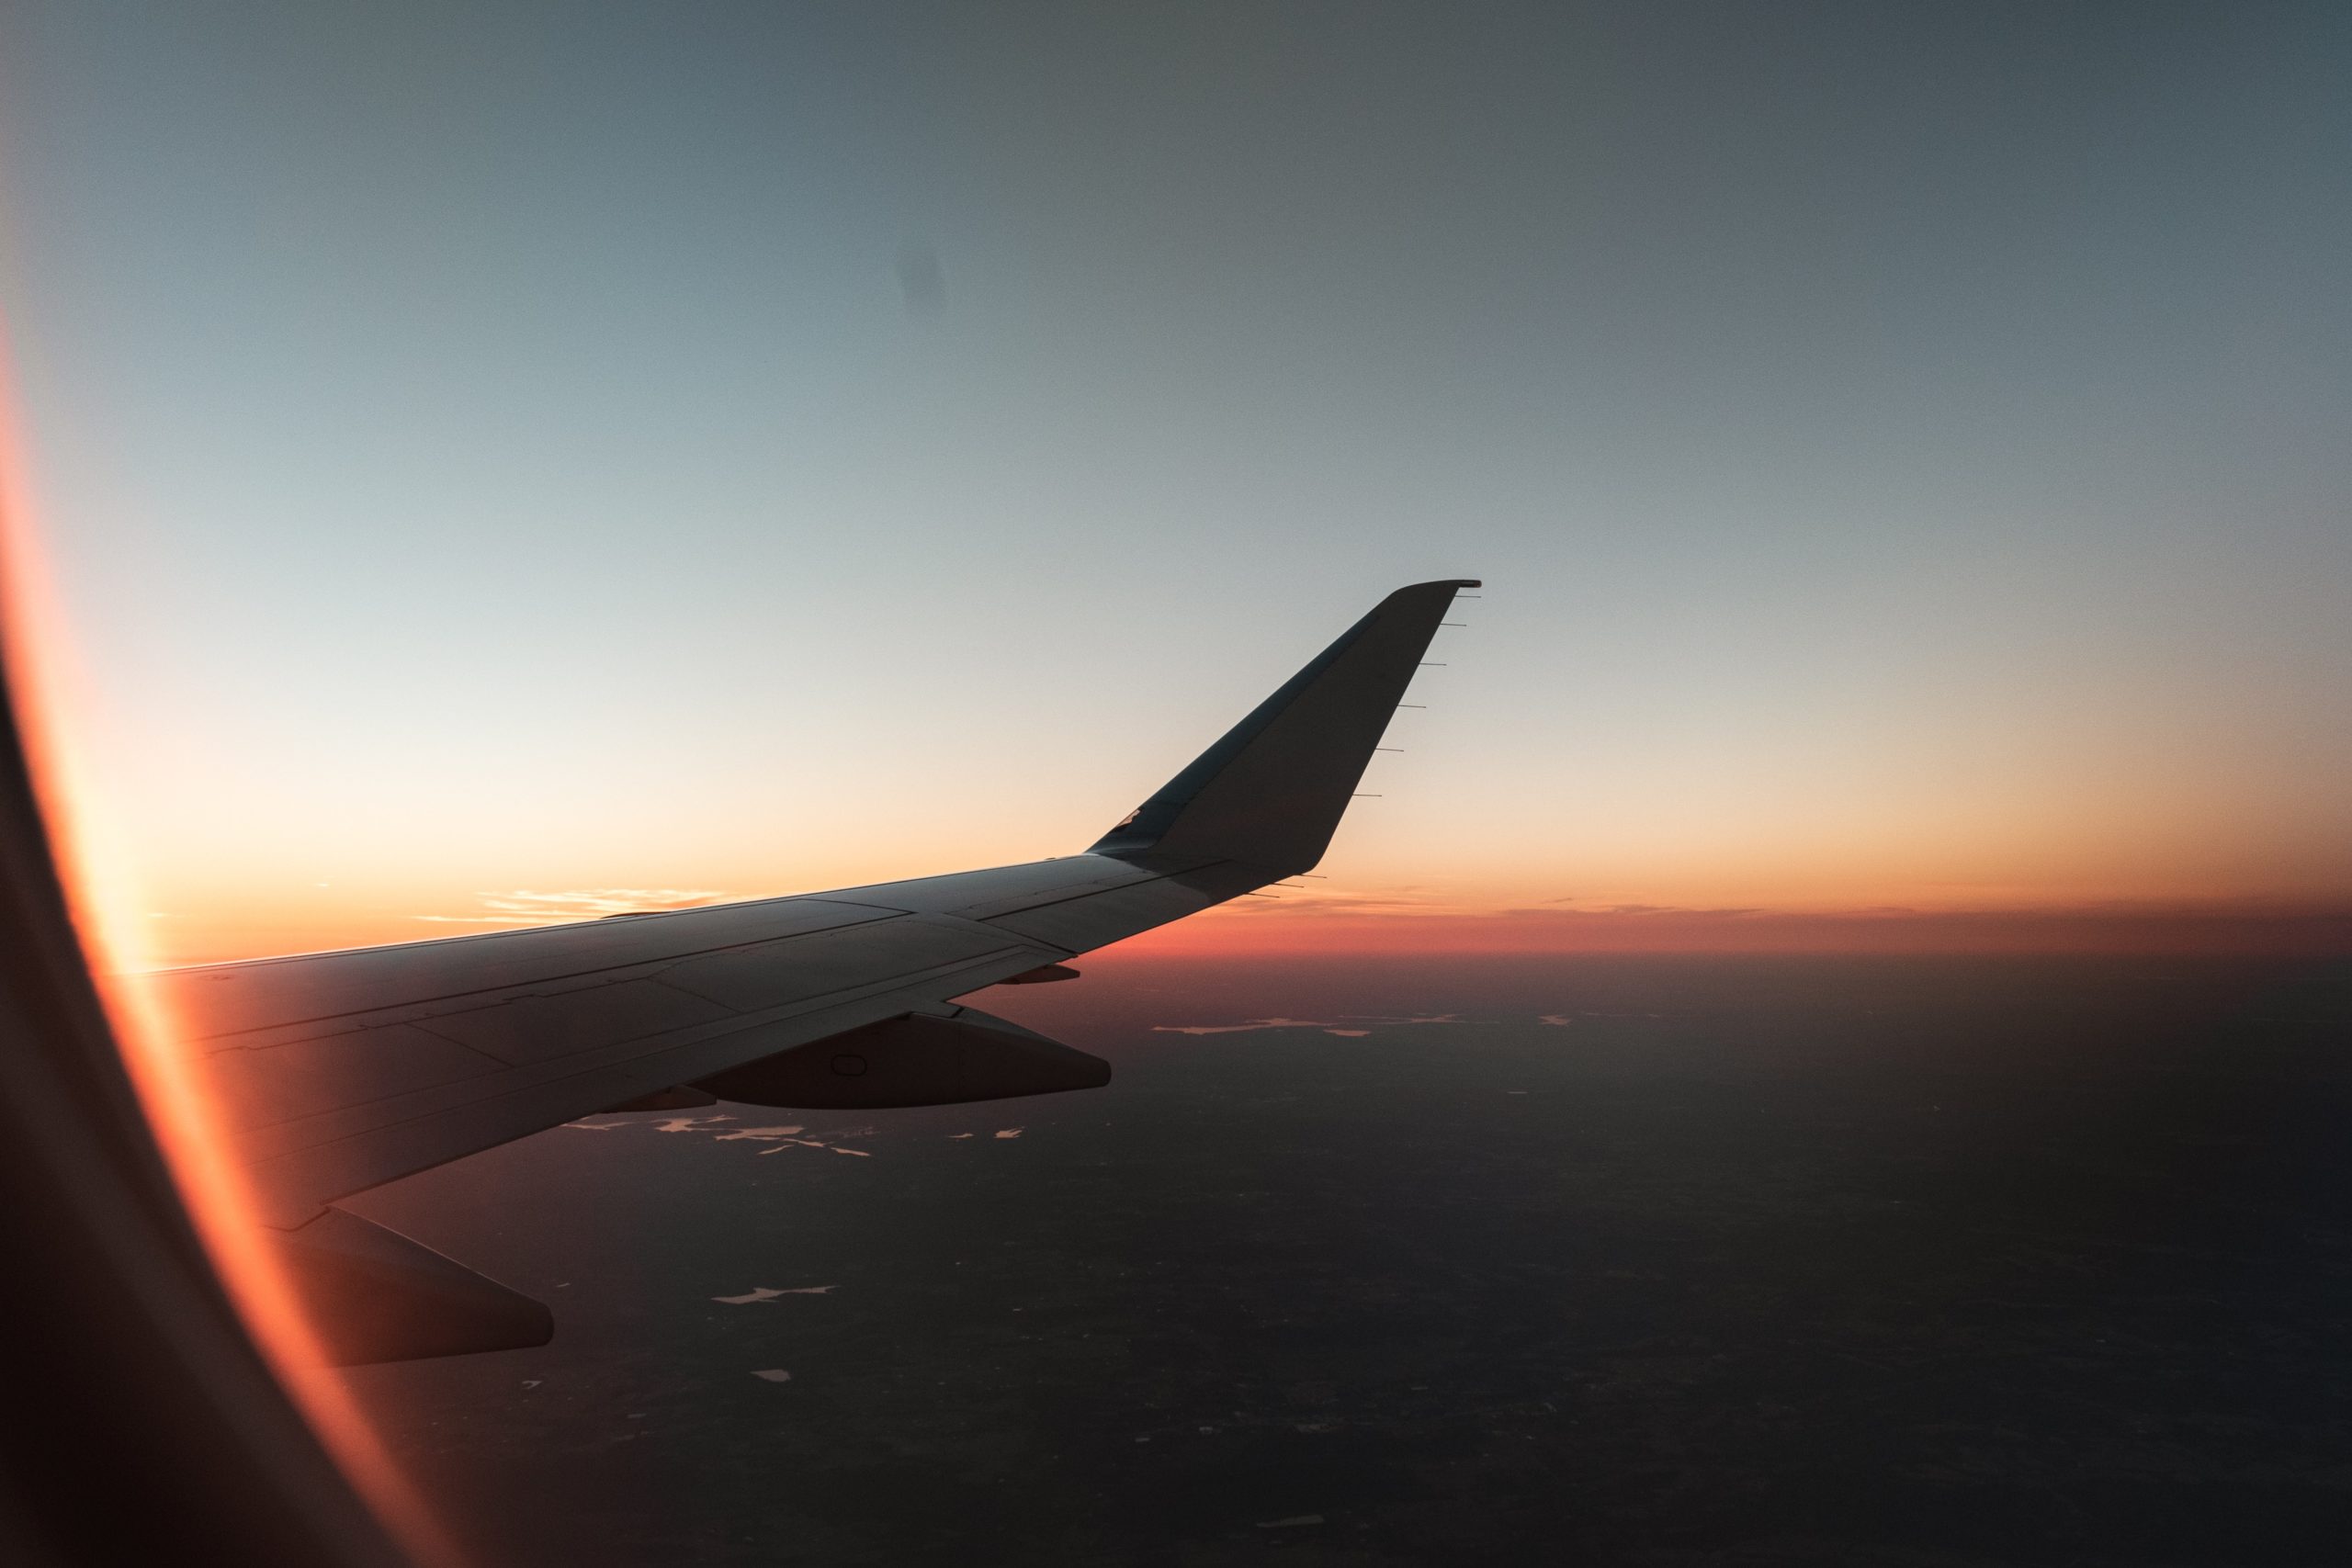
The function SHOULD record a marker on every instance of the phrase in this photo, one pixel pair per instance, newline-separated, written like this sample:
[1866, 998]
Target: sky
[501, 462]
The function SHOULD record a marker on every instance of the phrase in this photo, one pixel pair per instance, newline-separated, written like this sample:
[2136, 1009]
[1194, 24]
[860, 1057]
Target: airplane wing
[339, 1071]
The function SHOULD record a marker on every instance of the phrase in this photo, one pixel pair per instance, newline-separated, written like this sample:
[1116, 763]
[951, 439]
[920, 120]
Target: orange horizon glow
[2185, 931]
[1338, 923]
[101, 890]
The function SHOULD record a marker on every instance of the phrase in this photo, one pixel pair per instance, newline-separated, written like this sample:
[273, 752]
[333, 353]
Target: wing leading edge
[343, 1070]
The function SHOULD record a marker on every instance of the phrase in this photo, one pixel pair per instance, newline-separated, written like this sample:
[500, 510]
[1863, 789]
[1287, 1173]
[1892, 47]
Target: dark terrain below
[1776, 1260]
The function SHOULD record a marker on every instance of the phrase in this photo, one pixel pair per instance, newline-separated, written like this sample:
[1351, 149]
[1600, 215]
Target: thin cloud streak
[523, 907]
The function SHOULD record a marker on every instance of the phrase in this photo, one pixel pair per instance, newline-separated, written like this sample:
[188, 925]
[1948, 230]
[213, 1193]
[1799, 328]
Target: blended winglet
[1271, 791]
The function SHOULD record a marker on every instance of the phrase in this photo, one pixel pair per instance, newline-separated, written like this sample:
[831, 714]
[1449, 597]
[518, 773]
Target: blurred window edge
[145, 1422]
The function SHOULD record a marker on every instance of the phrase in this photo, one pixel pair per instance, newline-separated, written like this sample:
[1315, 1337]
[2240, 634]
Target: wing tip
[1438, 588]
[1322, 723]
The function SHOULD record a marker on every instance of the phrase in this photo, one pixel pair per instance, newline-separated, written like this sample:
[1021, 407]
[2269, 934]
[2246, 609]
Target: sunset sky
[497, 467]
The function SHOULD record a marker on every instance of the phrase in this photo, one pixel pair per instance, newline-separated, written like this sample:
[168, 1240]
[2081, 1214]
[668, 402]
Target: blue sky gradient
[488, 448]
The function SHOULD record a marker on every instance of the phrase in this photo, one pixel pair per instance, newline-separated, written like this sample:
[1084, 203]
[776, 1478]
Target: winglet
[1271, 793]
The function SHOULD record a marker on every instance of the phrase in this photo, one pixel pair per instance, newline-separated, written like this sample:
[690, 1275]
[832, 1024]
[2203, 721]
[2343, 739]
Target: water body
[1625, 1260]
